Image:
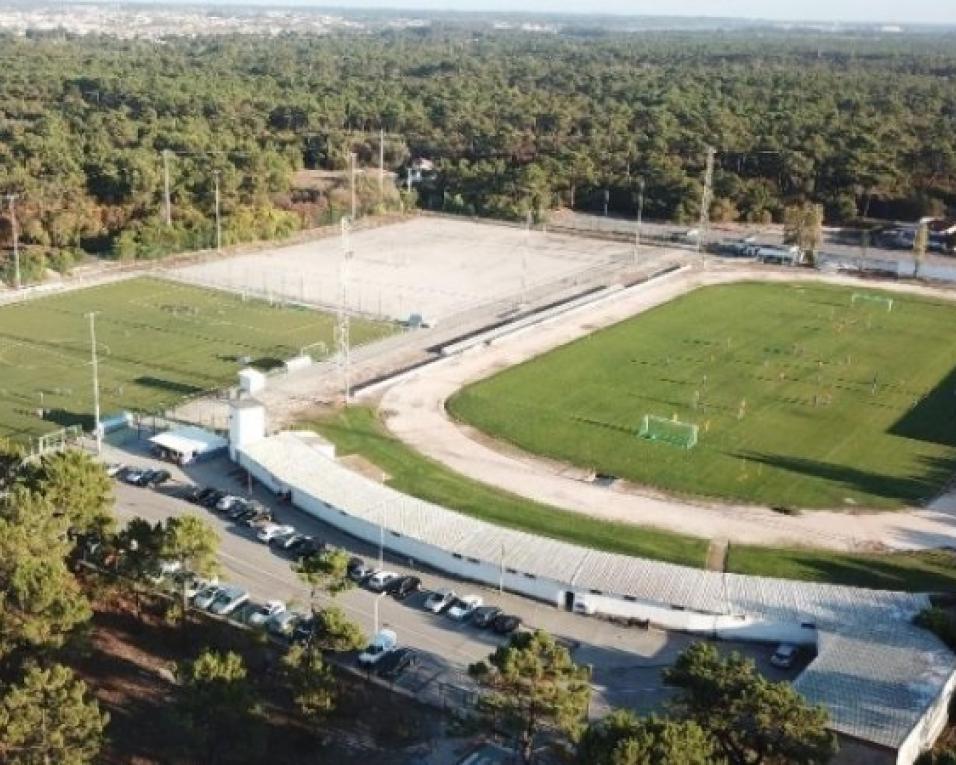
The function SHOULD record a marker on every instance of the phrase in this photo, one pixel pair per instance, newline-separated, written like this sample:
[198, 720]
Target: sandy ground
[436, 267]
[415, 412]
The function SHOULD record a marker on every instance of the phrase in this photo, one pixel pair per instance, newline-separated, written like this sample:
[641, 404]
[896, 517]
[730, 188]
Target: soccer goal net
[862, 297]
[683, 434]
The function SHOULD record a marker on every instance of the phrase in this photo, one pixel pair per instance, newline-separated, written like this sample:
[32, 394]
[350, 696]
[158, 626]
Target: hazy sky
[913, 11]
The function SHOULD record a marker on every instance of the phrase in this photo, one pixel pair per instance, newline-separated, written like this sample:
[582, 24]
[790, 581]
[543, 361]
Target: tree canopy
[48, 718]
[752, 720]
[513, 121]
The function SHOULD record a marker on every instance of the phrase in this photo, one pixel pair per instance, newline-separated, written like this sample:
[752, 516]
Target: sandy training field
[436, 267]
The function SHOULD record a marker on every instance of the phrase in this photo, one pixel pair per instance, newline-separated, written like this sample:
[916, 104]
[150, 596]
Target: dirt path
[415, 409]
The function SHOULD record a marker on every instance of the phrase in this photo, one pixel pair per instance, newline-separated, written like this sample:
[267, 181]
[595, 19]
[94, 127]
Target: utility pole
[342, 324]
[381, 164]
[168, 210]
[706, 197]
[501, 571]
[640, 218]
[97, 429]
[352, 181]
[529, 222]
[11, 199]
[218, 221]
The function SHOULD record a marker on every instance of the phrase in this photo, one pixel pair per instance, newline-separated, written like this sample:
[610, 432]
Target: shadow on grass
[931, 419]
[907, 489]
[925, 571]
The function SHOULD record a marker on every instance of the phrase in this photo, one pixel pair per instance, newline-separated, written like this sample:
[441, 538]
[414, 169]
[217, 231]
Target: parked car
[403, 586]
[228, 600]
[785, 655]
[166, 568]
[272, 530]
[205, 597]
[392, 665]
[439, 600]
[464, 607]
[285, 541]
[133, 475]
[113, 469]
[158, 478]
[382, 644]
[357, 569]
[379, 580]
[265, 612]
[239, 510]
[256, 515]
[197, 494]
[306, 546]
[227, 502]
[303, 632]
[146, 477]
[505, 624]
[211, 500]
[284, 623]
[194, 583]
[484, 616]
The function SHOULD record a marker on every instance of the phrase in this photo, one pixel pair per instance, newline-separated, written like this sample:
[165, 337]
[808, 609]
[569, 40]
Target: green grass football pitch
[802, 397]
[159, 342]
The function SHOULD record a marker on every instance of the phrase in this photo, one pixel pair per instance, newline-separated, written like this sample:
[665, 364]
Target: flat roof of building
[189, 440]
[875, 672]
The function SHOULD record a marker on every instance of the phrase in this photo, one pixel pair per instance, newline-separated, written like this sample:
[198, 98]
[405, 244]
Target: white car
[439, 600]
[133, 475]
[194, 584]
[785, 655]
[271, 530]
[166, 568]
[382, 644]
[464, 607]
[266, 612]
[379, 580]
[205, 597]
[114, 469]
[228, 600]
[227, 502]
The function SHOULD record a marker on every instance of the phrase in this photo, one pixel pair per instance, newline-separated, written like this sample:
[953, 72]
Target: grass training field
[158, 342]
[803, 396]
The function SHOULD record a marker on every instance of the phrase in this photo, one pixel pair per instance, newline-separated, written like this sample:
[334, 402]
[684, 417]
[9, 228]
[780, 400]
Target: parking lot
[626, 661]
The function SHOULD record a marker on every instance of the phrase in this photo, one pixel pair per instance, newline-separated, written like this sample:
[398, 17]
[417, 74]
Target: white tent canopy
[187, 443]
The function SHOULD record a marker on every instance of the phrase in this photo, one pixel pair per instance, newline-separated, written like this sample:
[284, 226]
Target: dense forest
[513, 121]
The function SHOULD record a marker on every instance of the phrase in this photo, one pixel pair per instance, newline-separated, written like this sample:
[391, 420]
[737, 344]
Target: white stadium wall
[539, 588]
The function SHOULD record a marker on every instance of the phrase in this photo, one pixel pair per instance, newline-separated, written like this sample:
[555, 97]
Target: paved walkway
[414, 411]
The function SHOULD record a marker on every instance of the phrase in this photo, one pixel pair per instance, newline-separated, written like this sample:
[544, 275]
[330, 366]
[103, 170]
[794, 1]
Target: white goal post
[673, 431]
[869, 298]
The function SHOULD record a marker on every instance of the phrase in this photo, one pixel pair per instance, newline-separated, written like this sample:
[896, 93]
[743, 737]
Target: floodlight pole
[640, 218]
[375, 611]
[166, 201]
[342, 325]
[218, 220]
[381, 164]
[97, 429]
[11, 199]
[352, 180]
[501, 571]
[706, 197]
[382, 520]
